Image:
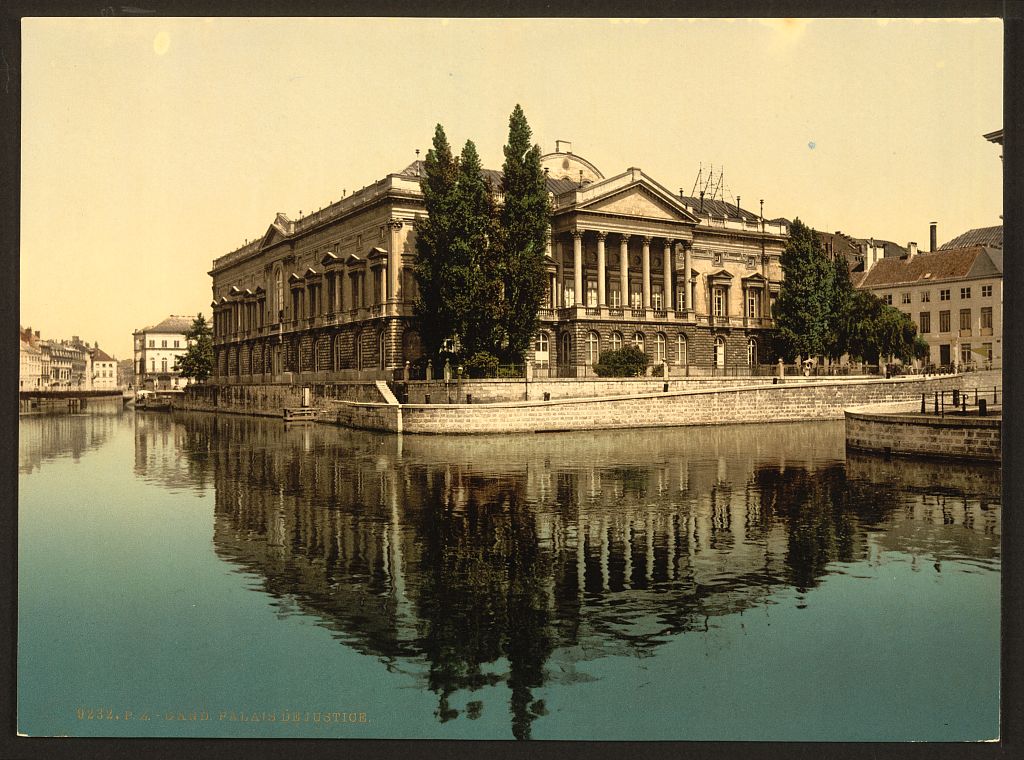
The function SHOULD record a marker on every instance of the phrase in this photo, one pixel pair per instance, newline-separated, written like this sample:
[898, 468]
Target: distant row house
[63, 364]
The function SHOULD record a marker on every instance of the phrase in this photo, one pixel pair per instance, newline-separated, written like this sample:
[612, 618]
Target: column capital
[669, 243]
[646, 239]
[624, 238]
[395, 224]
[576, 234]
[601, 235]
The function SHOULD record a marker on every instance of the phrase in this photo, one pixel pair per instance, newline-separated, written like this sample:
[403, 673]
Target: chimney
[932, 232]
[738, 206]
[702, 201]
[911, 250]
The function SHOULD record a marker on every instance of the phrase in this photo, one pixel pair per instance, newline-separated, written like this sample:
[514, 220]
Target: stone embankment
[825, 399]
[901, 429]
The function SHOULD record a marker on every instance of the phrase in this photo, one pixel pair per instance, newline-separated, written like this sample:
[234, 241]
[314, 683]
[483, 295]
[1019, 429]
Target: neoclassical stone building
[330, 296]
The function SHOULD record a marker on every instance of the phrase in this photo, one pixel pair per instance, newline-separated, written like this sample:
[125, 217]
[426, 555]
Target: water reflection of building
[45, 437]
[511, 560]
[170, 453]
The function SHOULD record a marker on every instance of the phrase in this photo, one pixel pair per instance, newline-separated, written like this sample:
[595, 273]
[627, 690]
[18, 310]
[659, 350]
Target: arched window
[681, 349]
[659, 347]
[382, 349]
[565, 348]
[616, 340]
[593, 347]
[540, 349]
[719, 352]
[751, 352]
[638, 340]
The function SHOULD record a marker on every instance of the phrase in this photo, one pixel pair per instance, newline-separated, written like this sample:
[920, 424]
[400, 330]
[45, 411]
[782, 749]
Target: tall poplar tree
[841, 293]
[436, 270]
[803, 312]
[476, 320]
[524, 230]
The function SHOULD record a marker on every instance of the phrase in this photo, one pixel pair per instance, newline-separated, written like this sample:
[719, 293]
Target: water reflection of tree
[483, 595]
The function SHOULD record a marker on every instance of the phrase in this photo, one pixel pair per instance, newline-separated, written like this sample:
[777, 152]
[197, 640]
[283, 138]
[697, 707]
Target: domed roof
[567, 165]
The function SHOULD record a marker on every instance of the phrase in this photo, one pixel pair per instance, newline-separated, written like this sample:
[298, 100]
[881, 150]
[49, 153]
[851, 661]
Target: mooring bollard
[936, 402]
[963, 402]
[956, 398]
[664, 388]
[982, 407]
[922, 403]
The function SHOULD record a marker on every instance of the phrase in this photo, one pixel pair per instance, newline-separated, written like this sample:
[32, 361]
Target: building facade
[156, 351]
[30, 368]
[104, 370]
[330, 296]
[953, 295]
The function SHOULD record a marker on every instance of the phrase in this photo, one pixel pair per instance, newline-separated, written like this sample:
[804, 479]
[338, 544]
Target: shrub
[625, 362]
[481, 364]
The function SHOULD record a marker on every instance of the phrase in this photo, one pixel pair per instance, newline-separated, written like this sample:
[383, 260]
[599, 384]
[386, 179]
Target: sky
[152, 146]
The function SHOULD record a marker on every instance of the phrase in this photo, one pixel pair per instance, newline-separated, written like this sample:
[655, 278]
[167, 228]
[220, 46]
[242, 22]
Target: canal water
[202, 575]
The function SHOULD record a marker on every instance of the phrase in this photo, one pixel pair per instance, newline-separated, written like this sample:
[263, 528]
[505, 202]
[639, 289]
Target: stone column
[647, 272]
[666, 268]
[339, 282]
[624, 270]
[602, 299]
[687, 288]
[394, 261]
[560, 263]
[577, 262]
[346, 291]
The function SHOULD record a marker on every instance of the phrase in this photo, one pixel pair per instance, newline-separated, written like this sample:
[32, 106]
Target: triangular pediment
[641, 198]
[274, 234]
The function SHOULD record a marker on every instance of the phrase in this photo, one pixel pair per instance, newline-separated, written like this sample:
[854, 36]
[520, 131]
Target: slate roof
[173, 324]
[99, 355]
[991, 237]
[937, 266]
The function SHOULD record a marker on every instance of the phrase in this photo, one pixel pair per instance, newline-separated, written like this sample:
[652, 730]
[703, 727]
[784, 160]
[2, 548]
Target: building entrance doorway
[944, 354]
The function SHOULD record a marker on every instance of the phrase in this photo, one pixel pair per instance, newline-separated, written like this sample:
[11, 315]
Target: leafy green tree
[437, 270]
[841, 293]
[524, 230]
[197, 361]
[876, 331]
[804, 310]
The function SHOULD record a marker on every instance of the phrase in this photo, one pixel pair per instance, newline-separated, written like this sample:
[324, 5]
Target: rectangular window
[163, 344]
[887, 299]
[163, 365]
[656, 297]
[966, 355]
[986, 317]
[152, 344]
[152, 365]
[986, 351]
[965, 292]
[591, 292]
[719, 302]
[926, 296]
[615, 300]
[965, 319]
[753, 303]
[905, 298]
[943, 321]
[925, 321]
[986, 291]
[176, 344]
[944, 295]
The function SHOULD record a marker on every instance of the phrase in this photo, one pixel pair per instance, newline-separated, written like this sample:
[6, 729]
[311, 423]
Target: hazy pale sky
[151, 146]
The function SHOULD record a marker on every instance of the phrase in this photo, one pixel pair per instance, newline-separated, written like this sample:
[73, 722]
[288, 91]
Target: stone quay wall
[901, 429]
[824, 399]
[518, 389]
[269, 400]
